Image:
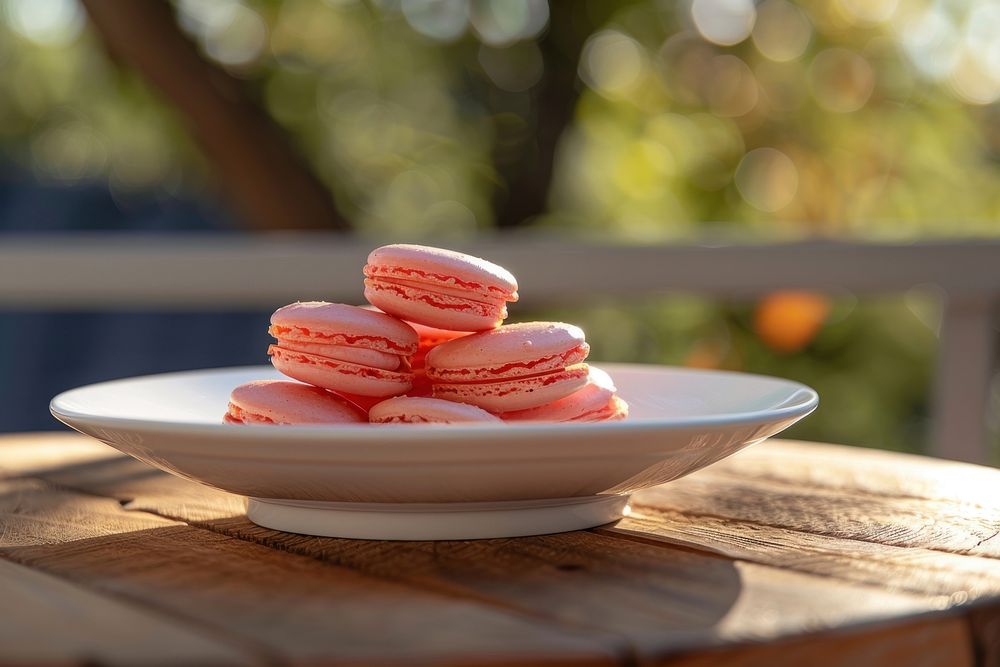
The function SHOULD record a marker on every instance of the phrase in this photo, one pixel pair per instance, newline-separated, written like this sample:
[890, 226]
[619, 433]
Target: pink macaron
[415, 410]
[594, 402]
[513, 367]
[438, 288]
[343, 348]
[431, 337]
[279, 402]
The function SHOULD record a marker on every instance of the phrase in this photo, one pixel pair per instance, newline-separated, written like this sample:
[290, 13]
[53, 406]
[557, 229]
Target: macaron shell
[342, 324]
[426, 307]
[592, 402]
[516, 394]
[354, 355]
[509, 369]
[508, 345]
[413, 410]
[281, 402]
[573, 409]
[340, 375]
[441, 267]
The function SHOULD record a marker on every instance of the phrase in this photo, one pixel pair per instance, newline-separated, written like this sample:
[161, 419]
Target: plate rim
[363, 432]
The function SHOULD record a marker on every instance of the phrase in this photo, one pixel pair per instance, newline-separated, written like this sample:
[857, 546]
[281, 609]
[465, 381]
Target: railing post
[962, 385]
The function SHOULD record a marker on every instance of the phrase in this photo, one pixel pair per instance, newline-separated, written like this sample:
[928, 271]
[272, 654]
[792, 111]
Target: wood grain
[667, 580]
[935, 642]
[579, 579]
[916, 570]
[50, 621]
[862, 471]
[944, 525]
[277, 603]
[27, 454]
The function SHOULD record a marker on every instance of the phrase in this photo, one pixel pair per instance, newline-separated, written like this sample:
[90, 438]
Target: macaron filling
[313, 336]
[513, 369]
[594, 402]
[357, 355]
[237, 415]
[281, 354]
[516, 393]
[439, 282]
[435, 298]
[343, 348]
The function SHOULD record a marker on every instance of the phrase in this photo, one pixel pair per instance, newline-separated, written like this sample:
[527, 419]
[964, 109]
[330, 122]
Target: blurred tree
[638, 120]
[266, 181]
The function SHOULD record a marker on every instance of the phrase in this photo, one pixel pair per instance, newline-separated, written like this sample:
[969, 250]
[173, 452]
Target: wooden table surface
[787, 553]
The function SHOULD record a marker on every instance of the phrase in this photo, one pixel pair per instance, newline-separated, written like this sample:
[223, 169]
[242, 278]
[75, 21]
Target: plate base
[436, 521]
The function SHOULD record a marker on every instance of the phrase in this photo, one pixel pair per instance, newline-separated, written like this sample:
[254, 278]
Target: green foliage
[847, 119]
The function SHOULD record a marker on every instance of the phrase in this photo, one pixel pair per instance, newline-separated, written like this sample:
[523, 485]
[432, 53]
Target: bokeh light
[767, 179]
[724, 22]
[444, 20]
[503, 22]
[772, 119]
[782, 31]
[787, 321]
[841, 80]
[45, 22]
[869, 11]
[612, 63]
[515, 68]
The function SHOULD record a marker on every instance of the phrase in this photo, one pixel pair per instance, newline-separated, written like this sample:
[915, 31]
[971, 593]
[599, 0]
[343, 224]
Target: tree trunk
[267, 183]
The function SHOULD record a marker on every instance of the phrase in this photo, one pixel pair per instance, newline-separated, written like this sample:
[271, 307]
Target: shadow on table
[638, 593]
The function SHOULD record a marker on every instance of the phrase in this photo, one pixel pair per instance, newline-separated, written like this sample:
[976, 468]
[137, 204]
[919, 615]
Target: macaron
[280, 402]
[343, 348]
[430, 337]
[513, 367]
[416, 410]
[594, 402]
[438, 288]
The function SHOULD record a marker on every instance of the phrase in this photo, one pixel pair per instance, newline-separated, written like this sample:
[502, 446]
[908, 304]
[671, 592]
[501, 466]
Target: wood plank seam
[625, 652]
[109, 633]
[611, 532]
[265, 542]
[656, 540]
[985, 540]
[722, 517]
[236, 642]
[856, 491]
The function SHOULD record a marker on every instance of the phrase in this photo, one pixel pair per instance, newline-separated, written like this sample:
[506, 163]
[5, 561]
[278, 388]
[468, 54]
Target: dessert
[594, 402]
[438, 288]
[429, 349]
[343, 348]
[418, 410]
[513, 367]
[280, 402]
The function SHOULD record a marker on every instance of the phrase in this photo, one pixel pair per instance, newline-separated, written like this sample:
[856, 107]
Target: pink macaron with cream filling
[438, 288]
[417, 410]
[343, 348]
[595, 402]
[280, 402]
[513, 367]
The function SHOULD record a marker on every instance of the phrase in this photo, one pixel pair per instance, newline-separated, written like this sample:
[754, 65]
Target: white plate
[430, 481]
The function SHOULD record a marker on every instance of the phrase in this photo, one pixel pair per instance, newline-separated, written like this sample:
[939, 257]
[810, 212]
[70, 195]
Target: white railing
[140, 271]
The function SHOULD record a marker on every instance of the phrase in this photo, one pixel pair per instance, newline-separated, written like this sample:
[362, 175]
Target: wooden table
[788, 553]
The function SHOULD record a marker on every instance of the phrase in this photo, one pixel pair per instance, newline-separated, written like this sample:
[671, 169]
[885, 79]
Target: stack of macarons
[431, 348]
